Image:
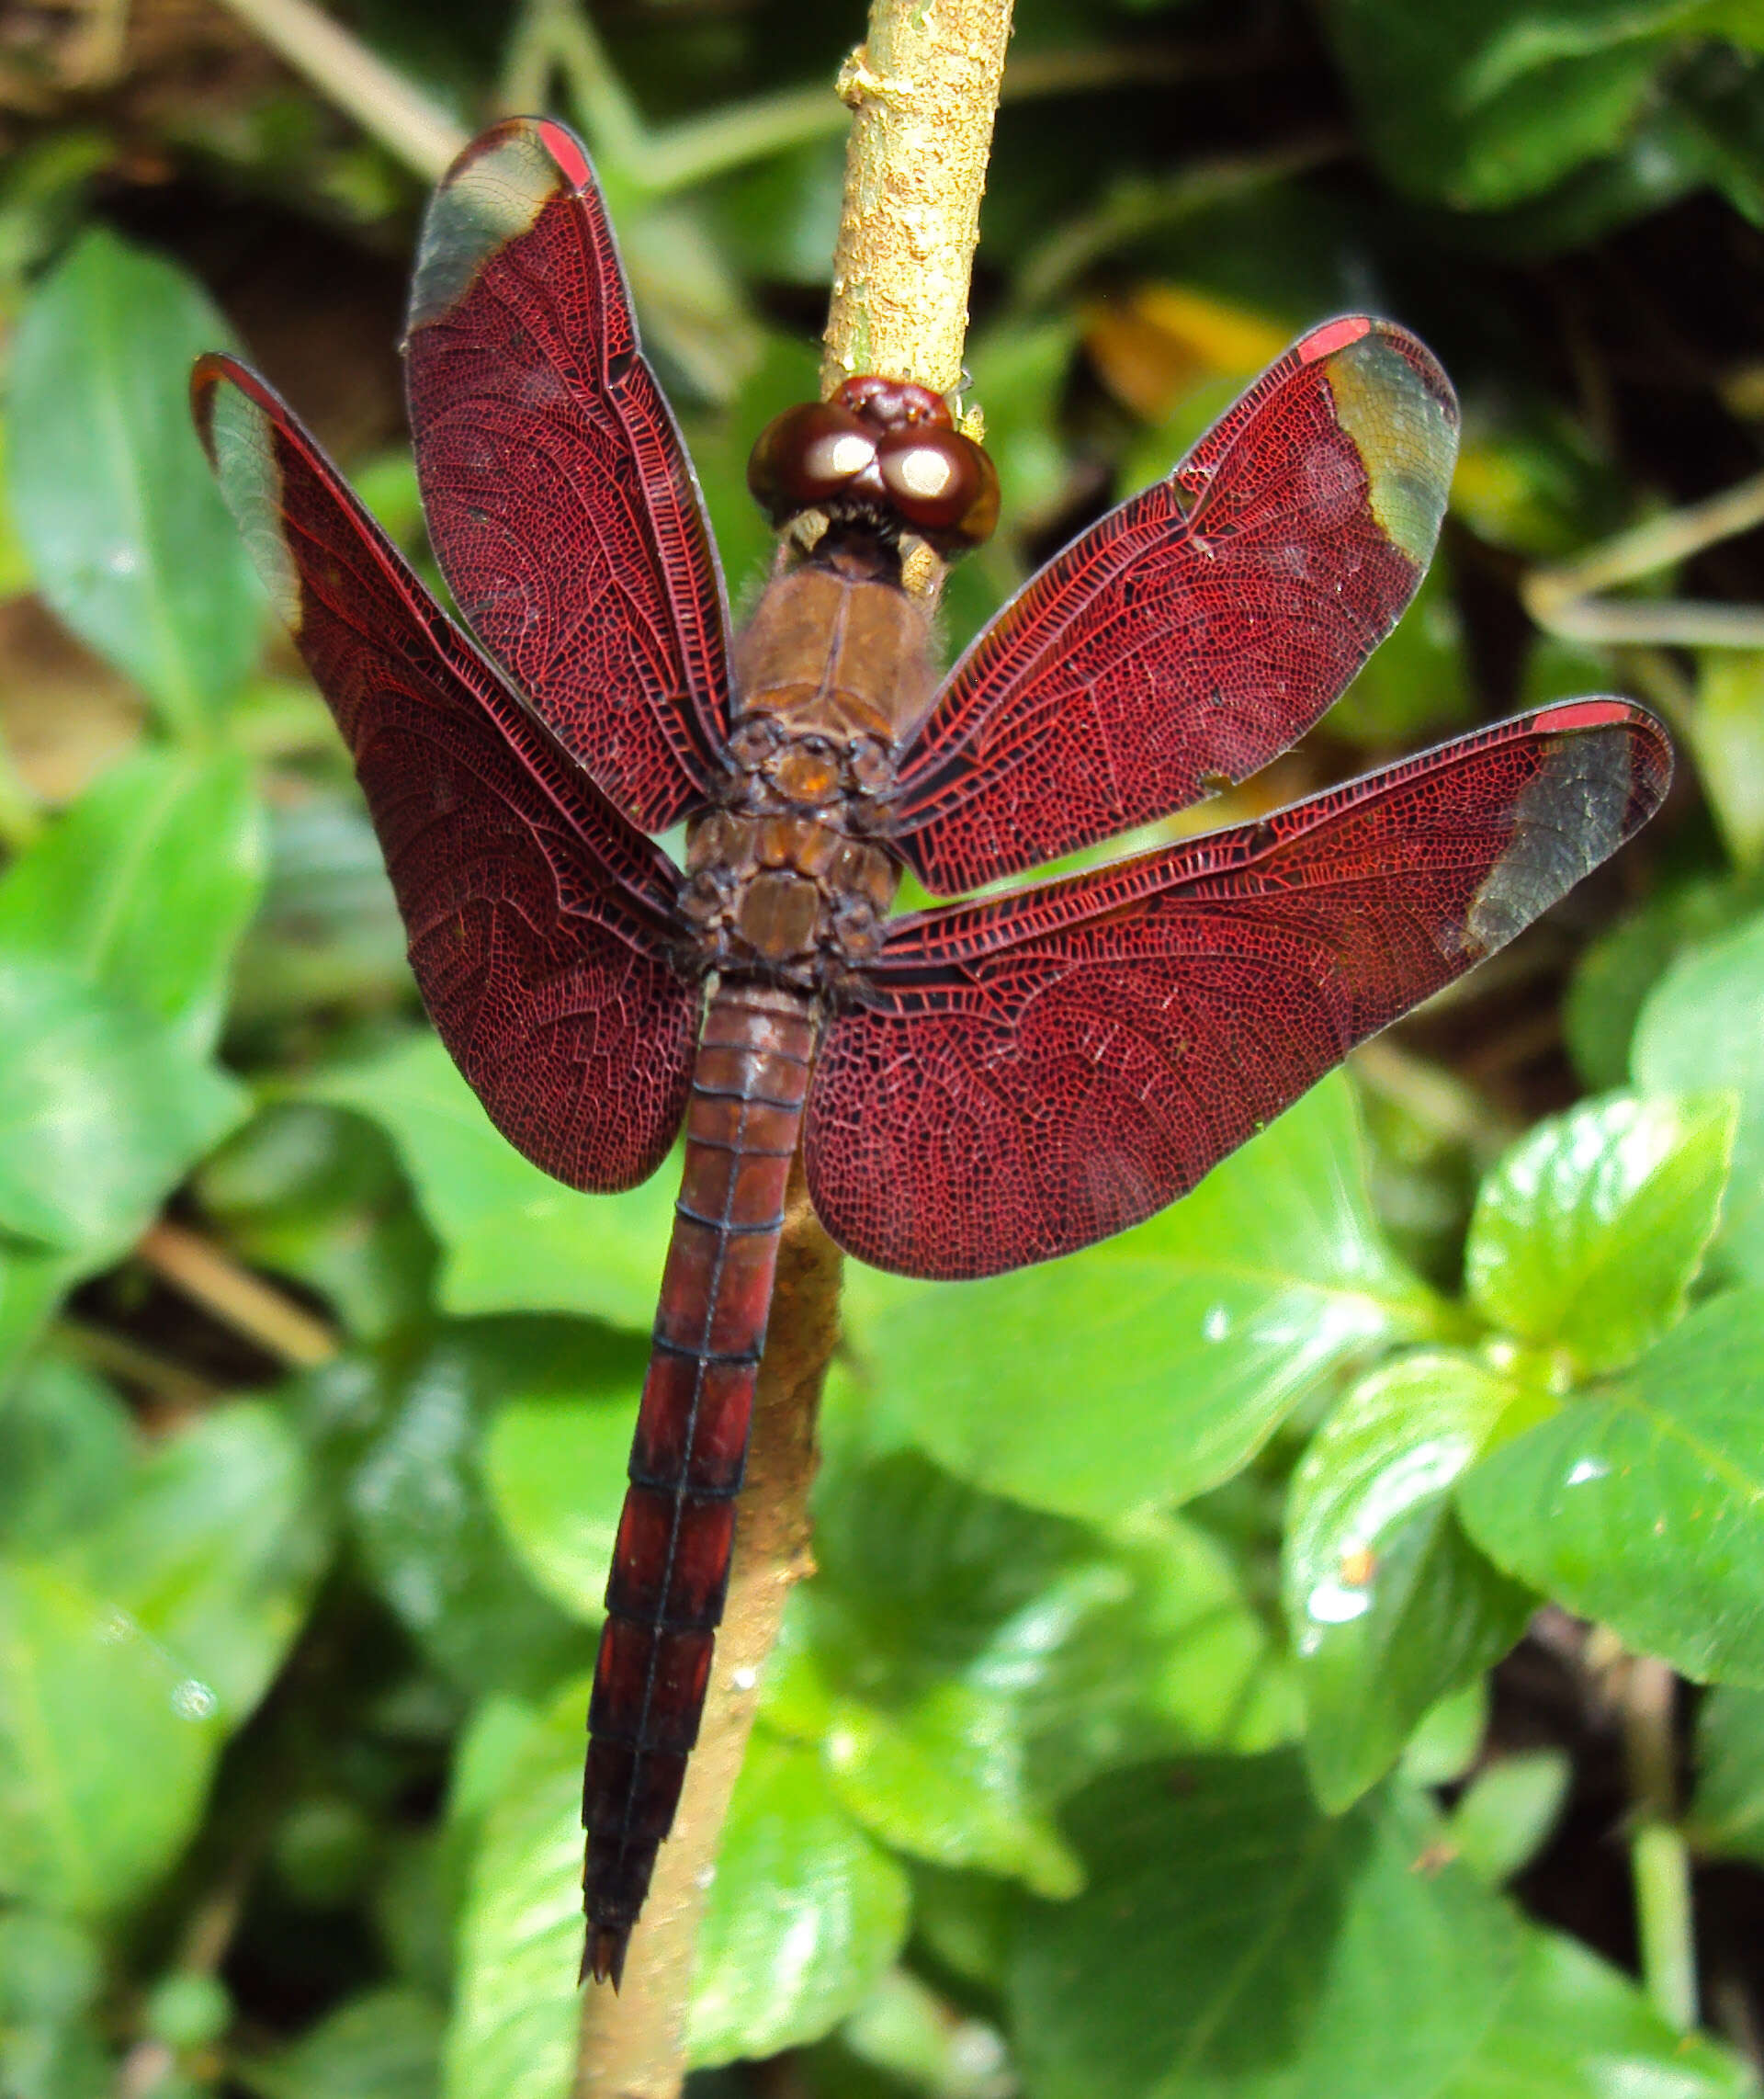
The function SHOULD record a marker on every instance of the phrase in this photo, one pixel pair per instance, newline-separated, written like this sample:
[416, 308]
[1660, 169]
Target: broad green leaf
[511, 2032]
[1389, 1604]
[1232, 1941]
[66, 1444]
[805, 1915]
[1725, 734]
[1149, 1369]
[213, 1552]
[1702, 1027]
[1573, 2028]
[512, 1239]
[144, 886]
[1481, 103]
[31, 1284]
[51, 1971]
[423, 1516]
[102, 1112]
[1504, 1815]
[556, 1472]
[385, 2043]
[1641, 1504]
[1726, 1814]
[105, 1747]
[1589, 1235]
[130, 541]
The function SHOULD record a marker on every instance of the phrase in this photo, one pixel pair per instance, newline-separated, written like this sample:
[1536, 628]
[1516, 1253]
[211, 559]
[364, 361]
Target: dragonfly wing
[539, 920]
[559, 497]
[1201, 626]
[1018, 1077]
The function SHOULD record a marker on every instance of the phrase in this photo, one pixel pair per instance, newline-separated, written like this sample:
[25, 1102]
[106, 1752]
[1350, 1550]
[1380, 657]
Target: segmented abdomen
[671, 1564]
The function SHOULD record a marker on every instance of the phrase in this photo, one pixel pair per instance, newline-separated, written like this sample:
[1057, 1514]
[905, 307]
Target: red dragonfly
[973, 1087]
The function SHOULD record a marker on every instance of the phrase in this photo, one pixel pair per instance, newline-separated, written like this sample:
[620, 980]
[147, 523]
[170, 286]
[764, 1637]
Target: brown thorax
[788, 877]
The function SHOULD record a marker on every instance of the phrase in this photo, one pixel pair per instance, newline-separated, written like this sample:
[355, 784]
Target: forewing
[1021, 1076]
[1199, 629]
[559, 497]
[538, 918]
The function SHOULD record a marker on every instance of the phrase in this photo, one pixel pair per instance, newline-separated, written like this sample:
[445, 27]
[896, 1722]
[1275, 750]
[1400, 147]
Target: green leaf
[1504, 1815]
[1234, 1942]
[1481, 103]
[103, 1752]
[1573, 2028]
[1702, 1027]
[1642, 1504]
[511, 2033]
[556, 1472]
[1389, 1604]
[1726, 1816]
[144, 887]
[51, 1971]
[805, 1914]
[32, 1284]
[1723, 728]
[385, 2043]
[417, 1495]
[214, 1552]
[1149, 1369]
[1589, 1235]
[104, 1111]
[130, 541]
[513, 1240]
[66, 1444]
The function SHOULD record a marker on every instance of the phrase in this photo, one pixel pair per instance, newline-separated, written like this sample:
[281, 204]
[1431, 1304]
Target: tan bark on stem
[925, 87]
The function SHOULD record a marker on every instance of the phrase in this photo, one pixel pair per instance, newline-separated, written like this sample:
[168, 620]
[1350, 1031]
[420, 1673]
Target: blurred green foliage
[1158, 1588]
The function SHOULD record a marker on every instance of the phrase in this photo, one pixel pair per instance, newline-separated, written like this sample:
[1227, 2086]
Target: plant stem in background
[1659, 1857]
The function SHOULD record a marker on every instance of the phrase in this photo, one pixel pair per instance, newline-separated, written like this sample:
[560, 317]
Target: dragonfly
[998, 1080]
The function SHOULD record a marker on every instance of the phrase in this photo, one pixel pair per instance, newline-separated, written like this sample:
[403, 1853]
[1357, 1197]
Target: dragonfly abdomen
[670, 1572]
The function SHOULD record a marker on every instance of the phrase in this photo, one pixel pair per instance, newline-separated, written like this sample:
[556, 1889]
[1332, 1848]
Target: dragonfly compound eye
[808, 455]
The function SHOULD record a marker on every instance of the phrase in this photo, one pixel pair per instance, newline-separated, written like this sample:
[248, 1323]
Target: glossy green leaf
[1573, 2028]
[805, 1914]
[105, 1749]
[1727, 1815]
[421, 1512]
[512, 2031]
[102, 1112]
[1147, 1370]
[1480, 103]
[213, 1552]
[1390, 1605]
[144, 886]
[1589, 1235]
[1234, 1942]
[51, 1971]
[130, 541]
[385, 2043]
[1641, 1504]
[65, 1445]
[512, 1239]
[1702, 1027]
[1504, 1815]
[556, 1472]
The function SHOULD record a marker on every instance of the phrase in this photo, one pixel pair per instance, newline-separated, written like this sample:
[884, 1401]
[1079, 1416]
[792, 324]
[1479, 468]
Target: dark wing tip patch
[1606, 775]
[1393, 398]
[491, 194]
[236, 416]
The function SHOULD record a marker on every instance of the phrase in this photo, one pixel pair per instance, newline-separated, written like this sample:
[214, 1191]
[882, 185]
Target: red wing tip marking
[1590, 714]
[1333, 335]
[565, 148]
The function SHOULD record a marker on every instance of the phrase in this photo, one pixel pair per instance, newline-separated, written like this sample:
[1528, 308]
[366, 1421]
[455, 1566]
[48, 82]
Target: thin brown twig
[245, 1302]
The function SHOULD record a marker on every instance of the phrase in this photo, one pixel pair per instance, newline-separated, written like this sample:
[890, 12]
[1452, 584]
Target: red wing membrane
[559, 497]
[1022, 1077]
[538, 919]
[1199, 629]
